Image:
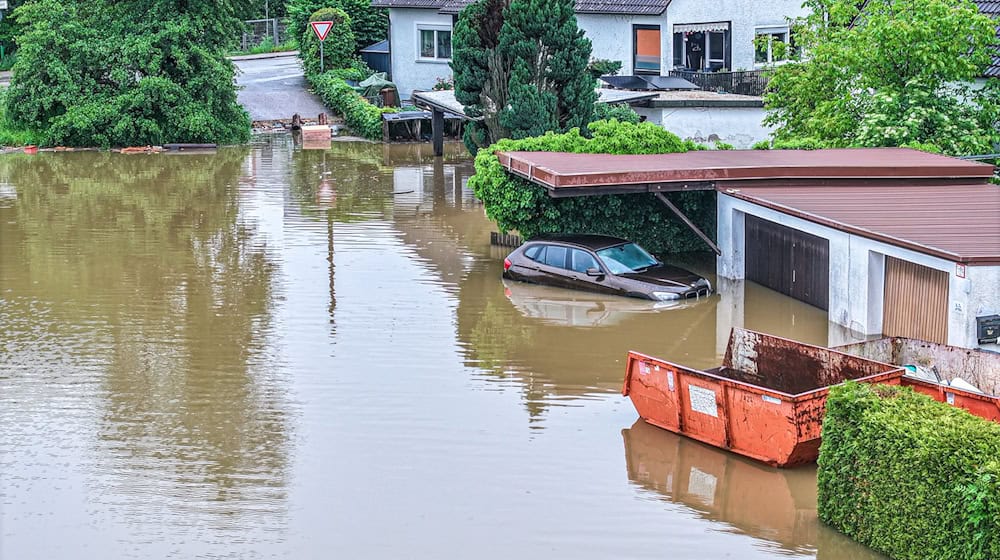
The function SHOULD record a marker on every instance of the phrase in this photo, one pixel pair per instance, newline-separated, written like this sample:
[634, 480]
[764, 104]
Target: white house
[647, 36]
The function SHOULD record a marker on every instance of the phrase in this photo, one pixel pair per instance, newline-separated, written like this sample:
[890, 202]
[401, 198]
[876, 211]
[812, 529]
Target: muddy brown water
[274, 353]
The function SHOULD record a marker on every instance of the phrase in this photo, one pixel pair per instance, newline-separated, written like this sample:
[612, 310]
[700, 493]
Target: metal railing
[256, 31]
[748, 82]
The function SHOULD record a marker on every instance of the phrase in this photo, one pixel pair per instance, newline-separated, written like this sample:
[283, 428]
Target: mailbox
[988, 328]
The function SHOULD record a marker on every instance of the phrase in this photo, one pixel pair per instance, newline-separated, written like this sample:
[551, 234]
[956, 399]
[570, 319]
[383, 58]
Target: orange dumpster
[766, 401]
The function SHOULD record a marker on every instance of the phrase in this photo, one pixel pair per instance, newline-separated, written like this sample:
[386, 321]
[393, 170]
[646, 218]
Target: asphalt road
[275, 88]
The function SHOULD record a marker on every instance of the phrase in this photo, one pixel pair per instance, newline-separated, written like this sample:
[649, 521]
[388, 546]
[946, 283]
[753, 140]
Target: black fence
[749, 82]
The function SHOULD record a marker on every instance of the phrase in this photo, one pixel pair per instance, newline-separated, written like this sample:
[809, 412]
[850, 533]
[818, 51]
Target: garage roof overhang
[568, 175]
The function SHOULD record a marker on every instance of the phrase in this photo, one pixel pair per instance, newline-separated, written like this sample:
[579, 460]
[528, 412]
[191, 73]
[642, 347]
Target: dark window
[678, 50]
[580, 260]
[555, 256]
[534, 252]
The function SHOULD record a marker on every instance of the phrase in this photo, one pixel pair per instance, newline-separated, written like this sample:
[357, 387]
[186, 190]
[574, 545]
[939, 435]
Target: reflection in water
[148, 303]
[775, 505]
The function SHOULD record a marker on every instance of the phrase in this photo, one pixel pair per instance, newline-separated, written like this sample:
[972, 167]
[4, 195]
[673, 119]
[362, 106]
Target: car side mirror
[594, 272]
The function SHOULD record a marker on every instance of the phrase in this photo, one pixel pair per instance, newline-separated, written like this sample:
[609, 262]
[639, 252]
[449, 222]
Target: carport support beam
[437, 131]
[689, 223]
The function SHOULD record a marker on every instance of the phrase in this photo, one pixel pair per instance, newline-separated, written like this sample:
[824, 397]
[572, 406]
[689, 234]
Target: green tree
[338, 49]
[888, 73]
[107, 73]
[370, 25]
[521, 65]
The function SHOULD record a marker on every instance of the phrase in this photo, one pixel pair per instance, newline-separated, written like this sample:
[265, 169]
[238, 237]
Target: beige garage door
[916, 301]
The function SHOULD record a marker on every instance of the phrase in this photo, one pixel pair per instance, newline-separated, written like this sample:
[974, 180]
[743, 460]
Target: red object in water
[766, 401]
[31, 149]
[506, 264]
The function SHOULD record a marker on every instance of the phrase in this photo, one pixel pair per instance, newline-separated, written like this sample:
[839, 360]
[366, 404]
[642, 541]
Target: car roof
[586, 240]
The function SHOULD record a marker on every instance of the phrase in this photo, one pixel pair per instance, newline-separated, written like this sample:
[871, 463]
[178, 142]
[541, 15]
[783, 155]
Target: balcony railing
[749, 82]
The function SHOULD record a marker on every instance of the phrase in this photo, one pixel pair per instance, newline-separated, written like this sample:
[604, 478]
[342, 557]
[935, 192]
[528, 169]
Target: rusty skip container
[766, 401]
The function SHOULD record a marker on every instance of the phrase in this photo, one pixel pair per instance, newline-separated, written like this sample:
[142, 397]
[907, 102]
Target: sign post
[321, 29]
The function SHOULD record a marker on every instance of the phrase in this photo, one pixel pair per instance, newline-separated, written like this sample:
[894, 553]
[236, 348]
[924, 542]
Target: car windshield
[626, 258]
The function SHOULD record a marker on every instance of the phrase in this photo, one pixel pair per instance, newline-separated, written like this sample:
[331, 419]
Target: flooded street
[269, 352]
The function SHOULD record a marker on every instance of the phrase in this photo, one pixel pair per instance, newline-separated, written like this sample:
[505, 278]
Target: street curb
[262, 56]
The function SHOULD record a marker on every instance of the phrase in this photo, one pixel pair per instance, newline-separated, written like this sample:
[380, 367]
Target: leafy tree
[338, 49]
[888, 73]
[521, 65]
[370, 25]
[108, 73]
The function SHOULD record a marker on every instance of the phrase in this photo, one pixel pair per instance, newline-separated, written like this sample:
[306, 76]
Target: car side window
[555, 256]
[534, 252]
[580, 261]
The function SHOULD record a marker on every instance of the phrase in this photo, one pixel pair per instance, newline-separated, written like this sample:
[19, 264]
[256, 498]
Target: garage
[916, 301]
[788, 261]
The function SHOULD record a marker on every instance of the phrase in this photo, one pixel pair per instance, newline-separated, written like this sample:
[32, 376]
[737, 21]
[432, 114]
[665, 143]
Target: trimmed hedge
[910, 477]
[364, 118]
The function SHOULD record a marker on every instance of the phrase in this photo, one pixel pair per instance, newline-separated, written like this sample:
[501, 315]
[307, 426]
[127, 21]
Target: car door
[580, 261]
[552, 267]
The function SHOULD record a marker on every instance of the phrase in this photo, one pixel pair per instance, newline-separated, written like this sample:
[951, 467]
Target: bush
[338, 49]
[364, 118]
[618, 111]
[910, 477]
[515, 204]
[601, 67]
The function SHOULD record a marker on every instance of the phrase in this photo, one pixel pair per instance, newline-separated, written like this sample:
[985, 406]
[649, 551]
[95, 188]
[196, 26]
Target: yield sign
[321, 28]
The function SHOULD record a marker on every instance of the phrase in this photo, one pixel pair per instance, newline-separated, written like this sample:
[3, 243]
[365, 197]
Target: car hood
[666, 276]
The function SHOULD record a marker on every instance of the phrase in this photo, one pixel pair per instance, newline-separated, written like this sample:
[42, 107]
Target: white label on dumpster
[770, 399]
[703, 400]
[950, 397]
[670, 380]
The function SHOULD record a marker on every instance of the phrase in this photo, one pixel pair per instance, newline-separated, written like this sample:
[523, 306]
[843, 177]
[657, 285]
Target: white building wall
[744, 16]
[857, 272]
[409, 71]
[612, 37]
[739, 126]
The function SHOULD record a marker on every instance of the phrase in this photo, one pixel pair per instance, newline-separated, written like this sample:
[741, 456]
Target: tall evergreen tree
[521, 66]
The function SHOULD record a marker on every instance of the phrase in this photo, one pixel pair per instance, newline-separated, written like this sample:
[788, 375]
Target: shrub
[601, 67]
[617, 111]
[338, 49]
[515, 204]
[910, 477]
[364, 118]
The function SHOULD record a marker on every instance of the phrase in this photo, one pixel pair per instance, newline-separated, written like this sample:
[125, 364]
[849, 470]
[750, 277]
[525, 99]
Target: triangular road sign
[321, 28]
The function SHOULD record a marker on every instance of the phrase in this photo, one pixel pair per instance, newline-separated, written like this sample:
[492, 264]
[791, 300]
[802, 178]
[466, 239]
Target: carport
[881, 237]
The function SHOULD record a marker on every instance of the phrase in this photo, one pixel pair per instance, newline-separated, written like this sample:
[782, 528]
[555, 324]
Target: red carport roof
[556, 170]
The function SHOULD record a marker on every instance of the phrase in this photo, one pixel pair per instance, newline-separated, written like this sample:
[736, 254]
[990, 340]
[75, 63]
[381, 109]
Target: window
[435, 43]
[580, 261]
[555, 256]
[534, 252]
[702, 46]
[772, 45]
[626, 258]
[646, 48]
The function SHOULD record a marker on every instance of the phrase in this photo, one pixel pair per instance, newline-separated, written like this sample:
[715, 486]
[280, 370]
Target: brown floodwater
[269, 352]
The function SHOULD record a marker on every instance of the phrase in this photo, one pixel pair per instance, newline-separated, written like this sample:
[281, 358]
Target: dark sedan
[602, 264]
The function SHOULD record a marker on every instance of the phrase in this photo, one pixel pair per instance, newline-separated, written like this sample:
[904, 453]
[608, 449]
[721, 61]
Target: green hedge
[515, 204]
[910, 477]
[364, 118]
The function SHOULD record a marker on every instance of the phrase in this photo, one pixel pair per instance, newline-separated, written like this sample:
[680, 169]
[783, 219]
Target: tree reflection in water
[151, 253]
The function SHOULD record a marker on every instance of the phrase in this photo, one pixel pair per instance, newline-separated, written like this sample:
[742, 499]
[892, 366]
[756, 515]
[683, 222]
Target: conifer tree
[521, 65]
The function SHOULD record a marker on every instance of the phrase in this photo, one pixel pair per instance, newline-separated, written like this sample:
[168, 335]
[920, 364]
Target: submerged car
[602, 264]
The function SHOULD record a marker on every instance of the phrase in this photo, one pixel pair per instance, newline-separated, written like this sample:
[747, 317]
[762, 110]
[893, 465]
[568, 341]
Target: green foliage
[268, 46]
[910, 477]
[338, 49]
[602, 67]
[617, 111]
[109, 73]
[370, 25]
[521, 66]
[515, 204]
[889, 73]
[364, 118]
[724, 146]
[11, 135]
